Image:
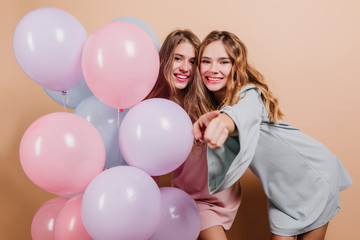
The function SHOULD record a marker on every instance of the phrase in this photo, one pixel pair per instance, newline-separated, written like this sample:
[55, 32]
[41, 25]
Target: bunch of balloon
[104, 78]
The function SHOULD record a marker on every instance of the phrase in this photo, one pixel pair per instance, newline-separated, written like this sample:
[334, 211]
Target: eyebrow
[181, 55]
[221, 58]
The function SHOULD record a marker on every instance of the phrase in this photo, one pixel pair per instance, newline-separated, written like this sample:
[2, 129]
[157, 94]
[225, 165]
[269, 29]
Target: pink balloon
[61, 153]
[48, 43]
[122, 202]
[68, 223]
[156, 136]
[42, 225]
[120, 64]
[180, 216]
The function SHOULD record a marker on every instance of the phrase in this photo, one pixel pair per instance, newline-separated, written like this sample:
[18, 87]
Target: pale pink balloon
[120, 63]
[68, 223]
[61, 153]
[42, 225]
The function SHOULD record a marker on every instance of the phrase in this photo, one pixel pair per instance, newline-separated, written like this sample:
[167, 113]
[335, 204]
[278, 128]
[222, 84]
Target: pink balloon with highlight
[61, 153]
[42, 225]
[120, 64]
[68, 223]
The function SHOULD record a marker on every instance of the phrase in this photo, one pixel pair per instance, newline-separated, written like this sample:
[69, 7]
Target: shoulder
[249, 88]
[250, 93]
[249, 104]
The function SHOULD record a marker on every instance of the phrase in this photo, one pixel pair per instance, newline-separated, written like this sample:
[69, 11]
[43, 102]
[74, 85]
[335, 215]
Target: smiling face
[215, 68]
[183, 64]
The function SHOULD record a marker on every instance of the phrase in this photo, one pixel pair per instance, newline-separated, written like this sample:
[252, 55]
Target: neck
[180, 95]
[220, 95]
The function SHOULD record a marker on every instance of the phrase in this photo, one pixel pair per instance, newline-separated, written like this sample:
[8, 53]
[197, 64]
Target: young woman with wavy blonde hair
[301, 178]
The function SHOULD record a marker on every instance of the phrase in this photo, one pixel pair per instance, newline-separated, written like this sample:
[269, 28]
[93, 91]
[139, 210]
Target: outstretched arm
[214, 128]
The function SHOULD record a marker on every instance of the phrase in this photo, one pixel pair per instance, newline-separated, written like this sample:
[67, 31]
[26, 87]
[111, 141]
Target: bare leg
[277, 237]
[213, 233]
[316, 234]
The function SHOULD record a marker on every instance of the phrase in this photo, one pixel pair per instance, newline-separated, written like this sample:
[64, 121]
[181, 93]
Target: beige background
[308, 51]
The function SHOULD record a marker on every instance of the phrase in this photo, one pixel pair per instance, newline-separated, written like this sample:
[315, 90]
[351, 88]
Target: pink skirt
[215, 209]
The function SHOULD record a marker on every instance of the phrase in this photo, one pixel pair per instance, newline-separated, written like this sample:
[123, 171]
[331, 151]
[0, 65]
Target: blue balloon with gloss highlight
[144, 26]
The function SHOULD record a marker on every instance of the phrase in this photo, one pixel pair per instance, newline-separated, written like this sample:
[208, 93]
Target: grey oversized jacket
[299, 175]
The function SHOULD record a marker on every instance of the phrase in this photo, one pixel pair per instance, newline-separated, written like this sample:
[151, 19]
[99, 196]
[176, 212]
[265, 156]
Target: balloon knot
[63, 93]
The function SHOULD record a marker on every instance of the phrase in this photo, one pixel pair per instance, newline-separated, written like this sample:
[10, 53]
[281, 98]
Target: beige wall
[308, 51]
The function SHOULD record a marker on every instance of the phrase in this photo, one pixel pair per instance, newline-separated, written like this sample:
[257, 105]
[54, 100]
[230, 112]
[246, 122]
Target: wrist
[229, 124]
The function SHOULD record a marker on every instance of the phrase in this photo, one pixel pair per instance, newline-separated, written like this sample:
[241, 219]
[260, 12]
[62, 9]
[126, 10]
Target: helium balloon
[122, 202]
[61, 153]
[180, 217]
[144, 26]
[156, 136]
[72, 97]
[107, 121]
[120, 64]
[68, 223]
[42, 225]
[48, 44]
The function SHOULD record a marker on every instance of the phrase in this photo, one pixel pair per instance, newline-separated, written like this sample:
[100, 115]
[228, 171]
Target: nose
[214, 68]
[184, 67]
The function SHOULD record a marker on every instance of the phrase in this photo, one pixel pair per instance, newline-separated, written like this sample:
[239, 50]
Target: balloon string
[118, 120]
[63, 93]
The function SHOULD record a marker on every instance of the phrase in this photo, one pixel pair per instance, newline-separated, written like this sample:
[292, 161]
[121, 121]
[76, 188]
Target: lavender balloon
[180, 217]
[48, 44]
[155, 136]
[122, 202]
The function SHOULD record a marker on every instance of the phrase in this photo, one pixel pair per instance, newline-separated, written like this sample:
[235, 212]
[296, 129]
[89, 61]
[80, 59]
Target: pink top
[192, 177]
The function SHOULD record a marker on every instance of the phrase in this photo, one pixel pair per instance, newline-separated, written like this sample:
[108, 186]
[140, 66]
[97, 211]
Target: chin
[180, 86]
[213, 88]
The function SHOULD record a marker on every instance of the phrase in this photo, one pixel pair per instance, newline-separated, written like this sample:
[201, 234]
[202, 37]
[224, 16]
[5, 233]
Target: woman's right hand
[213, 128]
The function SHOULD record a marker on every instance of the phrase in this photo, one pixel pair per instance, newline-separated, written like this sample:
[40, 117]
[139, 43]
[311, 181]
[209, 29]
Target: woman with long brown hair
[179, 81]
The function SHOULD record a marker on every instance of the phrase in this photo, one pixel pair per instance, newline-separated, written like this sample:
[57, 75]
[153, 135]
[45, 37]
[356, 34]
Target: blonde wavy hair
[242, 74]
[165, 87]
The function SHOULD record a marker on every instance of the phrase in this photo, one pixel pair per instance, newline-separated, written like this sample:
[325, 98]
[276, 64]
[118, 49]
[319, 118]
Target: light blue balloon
[72, 97]
[107, 121]
[144, 26]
